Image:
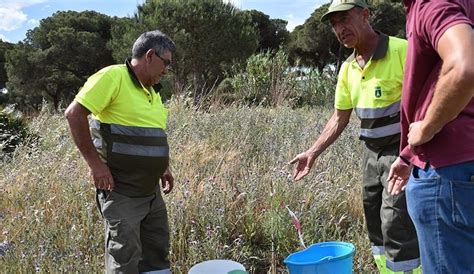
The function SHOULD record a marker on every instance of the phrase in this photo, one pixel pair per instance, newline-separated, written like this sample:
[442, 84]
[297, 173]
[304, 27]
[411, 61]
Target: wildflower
[4, 247]
[297, 225]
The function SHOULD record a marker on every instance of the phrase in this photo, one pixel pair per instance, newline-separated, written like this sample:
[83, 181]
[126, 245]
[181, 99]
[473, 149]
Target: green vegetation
[272, 32]
[246, 96]
[13, 130]
[57, 58]
[268, 80]
[4, 46]
[212, 38]
[231, 182]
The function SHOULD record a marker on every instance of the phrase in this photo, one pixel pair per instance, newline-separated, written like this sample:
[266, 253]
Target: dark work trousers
[390, 228]
[137, 233]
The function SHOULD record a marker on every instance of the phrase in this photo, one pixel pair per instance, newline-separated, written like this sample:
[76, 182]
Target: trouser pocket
[463, 203]
[123, 243]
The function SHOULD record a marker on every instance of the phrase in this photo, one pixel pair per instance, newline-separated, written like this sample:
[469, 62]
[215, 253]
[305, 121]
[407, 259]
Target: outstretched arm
[333, 129]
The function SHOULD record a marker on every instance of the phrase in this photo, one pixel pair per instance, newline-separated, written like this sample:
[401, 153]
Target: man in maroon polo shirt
[437, 119]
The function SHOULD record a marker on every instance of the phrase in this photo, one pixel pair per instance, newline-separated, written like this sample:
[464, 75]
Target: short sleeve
[343, 96]
[437, 17]
[98, 91]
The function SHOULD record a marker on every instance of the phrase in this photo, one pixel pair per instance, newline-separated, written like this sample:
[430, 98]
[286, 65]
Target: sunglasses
[165, 61]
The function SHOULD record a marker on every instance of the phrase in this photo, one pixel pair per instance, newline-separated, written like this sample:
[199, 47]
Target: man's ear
[149, 55]
[366, 14]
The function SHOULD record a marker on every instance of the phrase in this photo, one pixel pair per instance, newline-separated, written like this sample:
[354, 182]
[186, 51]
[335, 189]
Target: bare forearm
[80, 132]
[333, 129]
[454, 89]
[453, 92]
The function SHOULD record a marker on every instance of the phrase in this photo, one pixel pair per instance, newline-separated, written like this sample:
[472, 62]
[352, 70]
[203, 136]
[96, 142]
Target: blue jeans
[441, 204]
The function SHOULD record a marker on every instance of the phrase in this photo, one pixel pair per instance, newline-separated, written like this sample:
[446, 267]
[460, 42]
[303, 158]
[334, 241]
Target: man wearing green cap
[370, 82]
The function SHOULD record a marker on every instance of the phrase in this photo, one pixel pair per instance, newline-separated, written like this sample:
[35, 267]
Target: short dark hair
[156, 40]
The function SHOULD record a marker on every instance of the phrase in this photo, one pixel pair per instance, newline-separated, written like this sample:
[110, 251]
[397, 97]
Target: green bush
[268, 80]
[12, 131]
[315, 89]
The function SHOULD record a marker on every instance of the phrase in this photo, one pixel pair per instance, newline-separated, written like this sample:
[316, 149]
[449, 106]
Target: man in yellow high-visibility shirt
[370, 82]
[127, 152]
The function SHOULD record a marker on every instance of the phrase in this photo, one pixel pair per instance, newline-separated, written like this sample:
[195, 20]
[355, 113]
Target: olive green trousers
[391, 231]
[136, 233]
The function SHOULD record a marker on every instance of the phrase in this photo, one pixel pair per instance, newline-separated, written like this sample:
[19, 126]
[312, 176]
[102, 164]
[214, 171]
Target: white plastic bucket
[216, 267]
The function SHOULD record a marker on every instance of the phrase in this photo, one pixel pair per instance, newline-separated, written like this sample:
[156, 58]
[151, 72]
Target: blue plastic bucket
[322, 258]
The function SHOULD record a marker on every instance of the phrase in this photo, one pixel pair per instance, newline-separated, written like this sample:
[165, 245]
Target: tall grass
[232, 182]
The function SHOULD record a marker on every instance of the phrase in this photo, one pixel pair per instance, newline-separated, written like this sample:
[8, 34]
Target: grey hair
[156, 40]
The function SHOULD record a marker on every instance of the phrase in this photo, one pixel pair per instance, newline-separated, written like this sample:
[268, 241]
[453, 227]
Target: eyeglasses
[166, 62]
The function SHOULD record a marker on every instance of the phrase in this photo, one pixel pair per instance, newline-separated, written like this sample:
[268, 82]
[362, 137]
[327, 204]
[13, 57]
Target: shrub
[12, 131]
[268, 80]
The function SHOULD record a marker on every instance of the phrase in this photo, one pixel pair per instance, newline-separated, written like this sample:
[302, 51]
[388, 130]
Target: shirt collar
[134, 77]
[382, 47]
[132, 73]
[380, 50]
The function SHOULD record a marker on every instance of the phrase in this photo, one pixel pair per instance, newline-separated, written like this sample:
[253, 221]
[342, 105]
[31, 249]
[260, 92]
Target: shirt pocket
[386, 91]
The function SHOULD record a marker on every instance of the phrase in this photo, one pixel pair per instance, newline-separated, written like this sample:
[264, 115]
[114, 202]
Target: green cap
[343, 5]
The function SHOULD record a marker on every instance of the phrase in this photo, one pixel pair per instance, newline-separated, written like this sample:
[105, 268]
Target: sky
[18, 16]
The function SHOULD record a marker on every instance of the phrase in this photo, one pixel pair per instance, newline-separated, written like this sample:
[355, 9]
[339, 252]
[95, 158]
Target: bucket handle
[325, 259]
